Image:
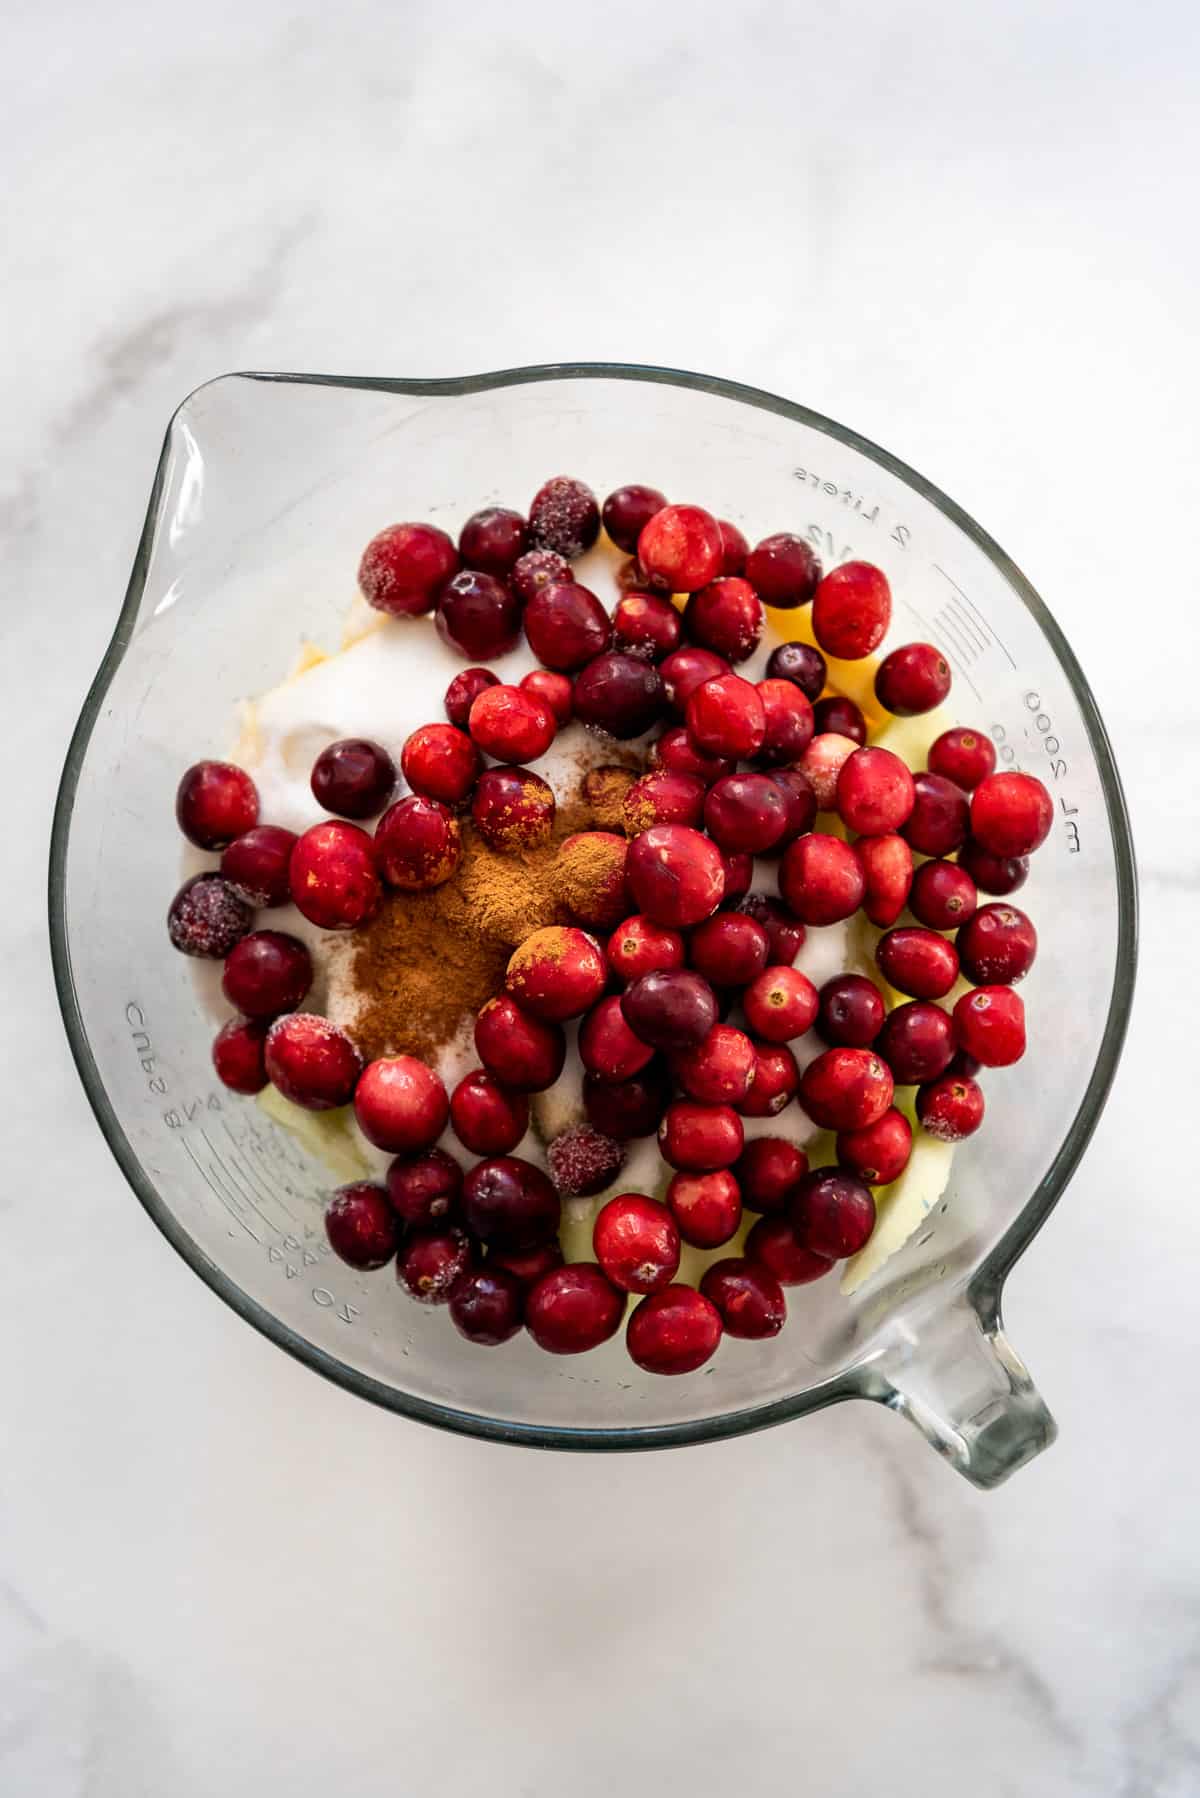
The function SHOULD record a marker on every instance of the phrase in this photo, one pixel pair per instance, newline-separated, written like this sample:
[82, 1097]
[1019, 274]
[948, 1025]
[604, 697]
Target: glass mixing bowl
[267, 488]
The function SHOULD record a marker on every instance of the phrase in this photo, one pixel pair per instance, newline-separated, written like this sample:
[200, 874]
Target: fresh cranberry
[773, 1244]
[821, 879]
[512, 725]
[767, 1170]
[557, 973]
[804, 666]
[852, 608]
[726, 617]
[850, 1011]
[627, 511]
[589, 877]
[418, 844]
[748, 1297]
[361, 1225]
[734, 548]
[917, 962]
[989, 1023]
[963, 1066]
[207, 918]
[405, 567]
[674, 1331]
[425, 1189]
[917, 1042]
[646, 625]
[887, 866]
[627, 1109]
[785, 934]
[256, 865]
[215, 802]
[354, 777]
[334, 876]
[440, 762]
[832, 1213]
[527, 1264]
[937, 824]
[536, 569]
[675, 875]
[963, 756]
[707, 1207]
[879, 1152]
[943, 896]
[583, 1161]
[431, 1263]
[997, 947]
[478, 615]
[608, 1048]
[662, 797]
[573, 1309]
[951, 1108]
[487, 1118]
[671, 1008]
[311, 1062]
[237, 1054]
[839, 717]
[998, 874]
[799, 800]
[462, 693]
[719, 1070]
[846, 1089]
[686, 669]
[400, 1104]
[566, 626]
[487, 1305]
[523, 1051]
[875, 792]
[604, 790]
[266, 973]
[912, 679]
[557, 690]
[493, 540]
[780, 1004]
[636, 1242]
[513, 809]
[822, 764]
[729, 949]
[681, 546]
[698, 1139]
[783, 571]
[738, 868]
[640, 946]
[789, 719]
[564, 517]
[775, 1084]
[620, 694]
[1011, 814]
[745, 813]
[509, 1203]
[725, 716]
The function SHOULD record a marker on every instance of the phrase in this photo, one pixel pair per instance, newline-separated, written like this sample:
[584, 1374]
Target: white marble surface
[966, 231]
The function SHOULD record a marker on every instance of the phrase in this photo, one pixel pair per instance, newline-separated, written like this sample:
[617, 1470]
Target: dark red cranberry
[404, 568]
[726, 617]
[361, 1225]
[311, 1062]
[256, 865]
[783, 570]
[564, 517]
[729, 949]
[734, 548]
[487, 1304]
[537, 569]
[573, 1309]
[266, 973]
[877, 1153]
[681, 546]
[943, 895]
[785, 933]
[748, 1296]
[215, 802]
[633, 578]
[685, 670]
[646, 625]
[510, 1203]
[875, 792]
[918, 962]
[746, 813]
[513, 809]
[478, 615]
[767, 1170]
[676, 875]
[670, 1008]
[739, 872]
[1011, 813]
[773, 1244]
[237, 1054]
[832, 1213]
[937, 824]
[608, 1048]
[487, 1118]
[852, 608]
[353, 778]
[493, 540]
[963, 756]
[839, 717]
[997, 947]
[425, 1189]
[989, 1023]
[912, 680]
[674, 1331]
[432, 1262]
[463, 691]
[528, 1264]
[700, 1139]
[775, 1083]
[917, 1042]
[636, 1242]
[951, 1108]
[998, 874]
[789, 721]
[620, 694]
[418, 845]
[719, 1070]
[846, 1089]
[850, 1011]
[566, 626]
[525, 1052]
[207, 918]
[627, 510]
[706, 1206]
[627, 1109]
[801, 664]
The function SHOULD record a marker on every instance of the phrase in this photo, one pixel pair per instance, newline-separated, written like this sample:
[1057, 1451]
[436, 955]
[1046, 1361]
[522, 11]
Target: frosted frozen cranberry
[822, 764]
[512, 725]
[943, 896]
[719, 1070]
[852, 608]
[912, 680]
[583, 1161]
[353, 777]
[734, 548]
[430, 1264]
[887, 866]
[627, 511]
[573, 1309]
[556, 690]
[767, 1170]
[846, 1089]
[418, 844]
[738, 867]
[675, 875]
[775, 1083]
[509, 1203]
[745, 813]
[206, 917]
[589, 877]
[662, 797]
[998, 874]
[682, 546]
[486, 1117]
[773, 1244]
[523, 1051]
[729, 949]
[785, 934]
[400, 1104]
[963, 756]
[725, 716]
[538, 568]
[832, 1213]
[564, 516]
[639, 946]
[789, 721]
[1011, 814]
[821, 879]
[850, 1011]
[989, 1023]
[311, 1062]
[748, 1296]
[674, 1331]
[361, 1225]
[493, 540]
[566, 626]
[557, 973]
[707, 1207]
[669, 1008]
[608, 1048]
[513, 809]
[878, 1153]
[487, 1305]
[478, 615]
[462, 693]
[997, 947]
[937, 824]
[404, 568]
[917, 962]
[726, 617]
[647, 625]
[698, 1139]
[917, 1042]
[215, 802]
[425, 1189]
[875, 792]
[627, 1109]
[256, 865]
[686, 669]
[334, 876]
[783, 571]
[440, 761]
[266, 973]
[780, 1005]
[951, 1108]
[838, 716]
[620, 694]
[237, 1054]
[636, 1242]
[801, 664]
[527, 1264]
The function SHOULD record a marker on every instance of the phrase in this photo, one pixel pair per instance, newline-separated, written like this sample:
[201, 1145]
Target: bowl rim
[985, 1287]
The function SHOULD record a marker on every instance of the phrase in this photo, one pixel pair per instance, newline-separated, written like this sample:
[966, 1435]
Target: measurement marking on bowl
[258, 1181]
[228, 1203]
[969, 605]
[954, 656]
[236, 1184]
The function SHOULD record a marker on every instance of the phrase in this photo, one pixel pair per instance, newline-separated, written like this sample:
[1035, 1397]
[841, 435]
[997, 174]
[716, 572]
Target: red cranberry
[311, 1062]
[951, 1108]
[487, 1118]
[1011, 813]
[627, 1109]
[583, 1161]
[431, 1263]
[556, 690]
[440, 762]
[425, 1189]
[353, 777]
[627, 511]
[512, 809]
[589, 877]
[917, 962]
[767, 1170]
[636, 1242]
[334, 876]
[557, 973]
[662, 797]
[564, 517]
[937, 824]
[822, 764]
[266, 973]
[739, 872]
[404, 568]
[418, 844]
[487, 1304]
[879, 1152]
[789, 721]
[748, 1297]
[785, 934]
[400, 1104]
[525, 1052]
[647, 625]
[478, 615]
[887, 866]
[207, 918]
[963, 1066]
[675, 875]
[215, 802]
[256, 865]
[686, 669]
[527, 1264]
[640, 946]
[997, 947]
[237, 1054]
[963, 756]
[943, 896]
[698, 1139]
[805, 667]
[821, 879]
[852, 608]
[839, 717]
[719, 1070]
[875, 792]
[745, 813]
[832, 1213]
[492, 540]
[775, 1083]
[783, 571]
[512, 725]
[620, 694]
[462, 693]
[537, 569]
[509, 1203]
[573, 1309]
[681, 546]
[780, 1005]
[773, 1244]
[674, 1331]
[998, 874]
[734, 548]
[729, 949]
[912, 679]
[989, 1023]
[670, 1008]
[607, 1046]
[707, 1207]
[566, 626]
[361, 1225]
[726, 617]
[917, 1042]
[846, 1089]
[799, 799]
[851, 1011]
[725, 716]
